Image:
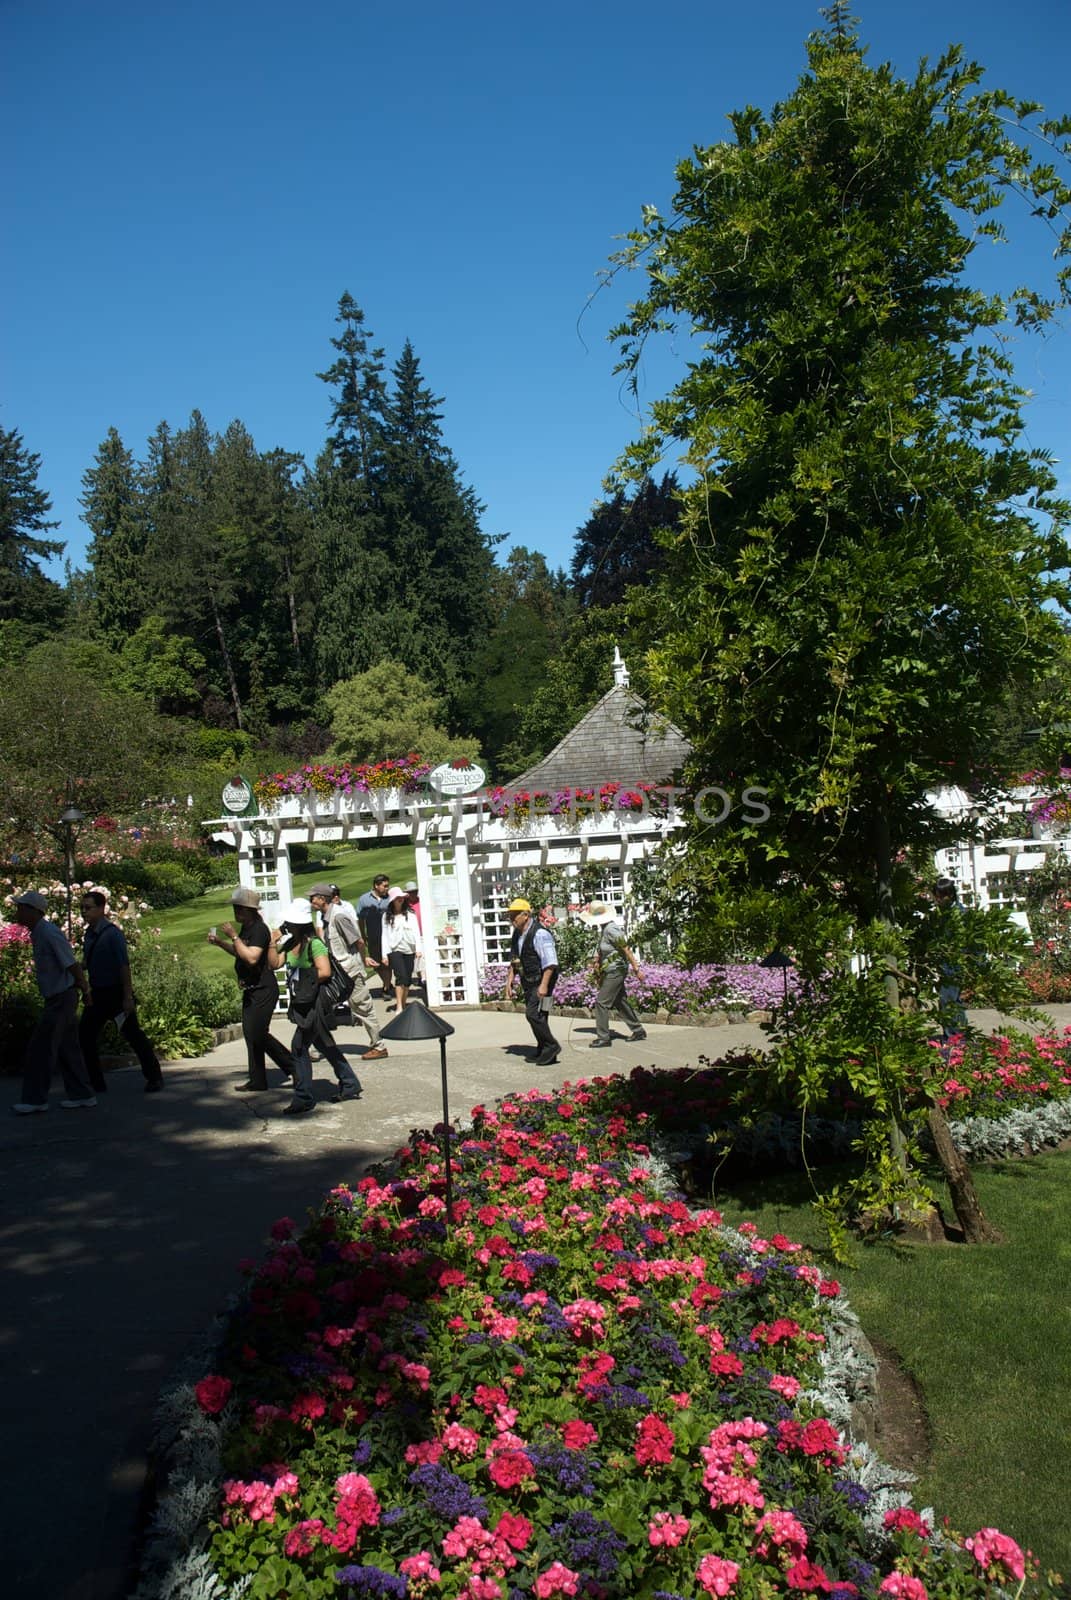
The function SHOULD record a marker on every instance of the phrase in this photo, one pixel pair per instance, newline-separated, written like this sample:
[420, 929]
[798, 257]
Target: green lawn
[984, 1332]
[185, 926]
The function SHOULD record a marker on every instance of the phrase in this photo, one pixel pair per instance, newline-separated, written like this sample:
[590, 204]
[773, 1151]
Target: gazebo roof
[617, 741]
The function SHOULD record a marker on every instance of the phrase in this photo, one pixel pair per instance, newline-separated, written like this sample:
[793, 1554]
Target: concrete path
[123, 1227]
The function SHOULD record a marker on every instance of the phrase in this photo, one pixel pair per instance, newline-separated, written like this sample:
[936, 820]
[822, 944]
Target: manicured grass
[185, 926]
[984, 1332]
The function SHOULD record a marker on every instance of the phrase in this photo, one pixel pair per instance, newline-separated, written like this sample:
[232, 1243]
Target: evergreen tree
[112, 511]
[356, 376]
[618, 545]
[431, 528]
[27, 597]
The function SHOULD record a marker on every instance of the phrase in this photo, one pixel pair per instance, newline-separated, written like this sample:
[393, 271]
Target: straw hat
[597, 914]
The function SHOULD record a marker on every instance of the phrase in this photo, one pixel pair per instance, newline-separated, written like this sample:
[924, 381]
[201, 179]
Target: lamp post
[417, 1022]
[775, 959]
[69, 820]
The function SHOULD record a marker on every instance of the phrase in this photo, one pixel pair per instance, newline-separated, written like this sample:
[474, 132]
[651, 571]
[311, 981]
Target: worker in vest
[534, 960]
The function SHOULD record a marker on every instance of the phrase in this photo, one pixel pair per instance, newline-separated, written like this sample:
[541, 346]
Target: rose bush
[580, 1388]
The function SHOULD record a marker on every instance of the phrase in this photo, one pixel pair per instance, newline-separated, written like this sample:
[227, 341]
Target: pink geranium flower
[996, 1553]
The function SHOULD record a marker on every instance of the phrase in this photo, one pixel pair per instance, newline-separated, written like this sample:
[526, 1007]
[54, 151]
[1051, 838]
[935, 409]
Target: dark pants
[54, 1043]
[107, 1004]
[538, 1022]
[311, 1031]
[258, 1008]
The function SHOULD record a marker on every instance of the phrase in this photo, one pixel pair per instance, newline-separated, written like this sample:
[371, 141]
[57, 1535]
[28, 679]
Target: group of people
[61, 1037]
[326, 948]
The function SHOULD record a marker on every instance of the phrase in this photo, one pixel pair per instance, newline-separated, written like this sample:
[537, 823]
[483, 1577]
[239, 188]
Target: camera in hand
[287, 942]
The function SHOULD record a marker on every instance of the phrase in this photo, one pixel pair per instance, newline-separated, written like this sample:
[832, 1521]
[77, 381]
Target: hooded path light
[415, 1021]
[69, 820]
[777, 958]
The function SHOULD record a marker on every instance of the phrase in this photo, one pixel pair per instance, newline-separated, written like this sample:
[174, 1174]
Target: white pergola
[468, 861]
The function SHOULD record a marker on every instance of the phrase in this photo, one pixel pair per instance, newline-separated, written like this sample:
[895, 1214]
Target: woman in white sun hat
[308, 967]
[612, 961]
[402, 944]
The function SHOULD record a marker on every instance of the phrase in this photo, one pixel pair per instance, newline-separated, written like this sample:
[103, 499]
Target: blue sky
[190, 188]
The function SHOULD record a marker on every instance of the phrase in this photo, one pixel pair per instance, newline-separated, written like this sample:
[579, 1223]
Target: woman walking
[308, 968]
[250, 945]
[402, 943]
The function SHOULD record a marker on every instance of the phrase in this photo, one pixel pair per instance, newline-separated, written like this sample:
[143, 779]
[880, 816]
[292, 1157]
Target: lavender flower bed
[663, 986]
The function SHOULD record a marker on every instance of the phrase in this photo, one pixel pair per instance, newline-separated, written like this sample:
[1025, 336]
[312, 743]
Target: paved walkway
[123, 1230]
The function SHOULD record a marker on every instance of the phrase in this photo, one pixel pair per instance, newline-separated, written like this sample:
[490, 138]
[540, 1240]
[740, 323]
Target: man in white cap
[534, 959]
[54, 1041]
[612, 961]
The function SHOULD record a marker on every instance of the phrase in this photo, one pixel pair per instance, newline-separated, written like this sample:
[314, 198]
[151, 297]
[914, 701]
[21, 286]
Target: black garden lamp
[415, 1021]
[69, 820]
[777, 958]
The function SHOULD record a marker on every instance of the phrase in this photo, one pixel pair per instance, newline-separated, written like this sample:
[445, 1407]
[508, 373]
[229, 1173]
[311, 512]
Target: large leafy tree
[866, 566]
[27, 597]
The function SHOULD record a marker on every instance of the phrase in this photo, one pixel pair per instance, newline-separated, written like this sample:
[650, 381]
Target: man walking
[54, 1041]
[534, 959]
[342, 937]
[107, 966]
[612, 961]
[370, 909]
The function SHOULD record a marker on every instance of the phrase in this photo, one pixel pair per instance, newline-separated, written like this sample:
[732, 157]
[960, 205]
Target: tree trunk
[295, 637]
[977, 1229]
[225, 653]
[883, 857]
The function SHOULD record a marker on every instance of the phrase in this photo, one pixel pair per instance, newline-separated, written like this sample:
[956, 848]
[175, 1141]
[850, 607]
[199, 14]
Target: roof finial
[620, 671]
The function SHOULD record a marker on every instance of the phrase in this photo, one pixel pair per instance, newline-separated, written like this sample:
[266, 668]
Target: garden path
[122, 1233]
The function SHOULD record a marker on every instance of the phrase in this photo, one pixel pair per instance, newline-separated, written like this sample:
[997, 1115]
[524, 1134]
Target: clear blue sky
[191, 187]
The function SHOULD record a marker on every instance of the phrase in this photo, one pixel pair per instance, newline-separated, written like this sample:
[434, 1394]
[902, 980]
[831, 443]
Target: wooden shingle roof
[617, 741]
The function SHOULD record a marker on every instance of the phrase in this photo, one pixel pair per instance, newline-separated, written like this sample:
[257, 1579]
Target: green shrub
[209, 869]
[20, 999]
[161, 883]
[178, 1005]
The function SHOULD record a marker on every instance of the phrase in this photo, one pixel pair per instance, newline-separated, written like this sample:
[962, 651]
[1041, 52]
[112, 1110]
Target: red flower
[807, 1575]
[578, 1435]
[509, 1468]
[212, 1394]
[655, 1441]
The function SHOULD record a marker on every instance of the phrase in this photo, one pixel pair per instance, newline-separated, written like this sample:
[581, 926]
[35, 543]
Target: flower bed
[581, 1389]
[665, 987]
[1004, 1072]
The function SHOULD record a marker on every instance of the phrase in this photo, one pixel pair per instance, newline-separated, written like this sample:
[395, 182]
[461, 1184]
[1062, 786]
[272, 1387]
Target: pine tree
[113, 512]
[356, 376]
[618, 546]
[27, 596]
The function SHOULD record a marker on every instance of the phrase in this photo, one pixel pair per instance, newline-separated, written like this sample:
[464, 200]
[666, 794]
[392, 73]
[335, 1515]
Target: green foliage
[26, 595]
[162, 667]
[619, 547]
[161, 883]
[387, 712]
[865, 568]
[556, 894]
[69, 734]
[179, 1005]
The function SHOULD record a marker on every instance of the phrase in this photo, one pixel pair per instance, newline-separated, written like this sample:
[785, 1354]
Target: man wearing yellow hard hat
[534, 960]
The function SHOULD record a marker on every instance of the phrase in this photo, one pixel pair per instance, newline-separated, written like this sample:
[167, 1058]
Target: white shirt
[402, 933]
